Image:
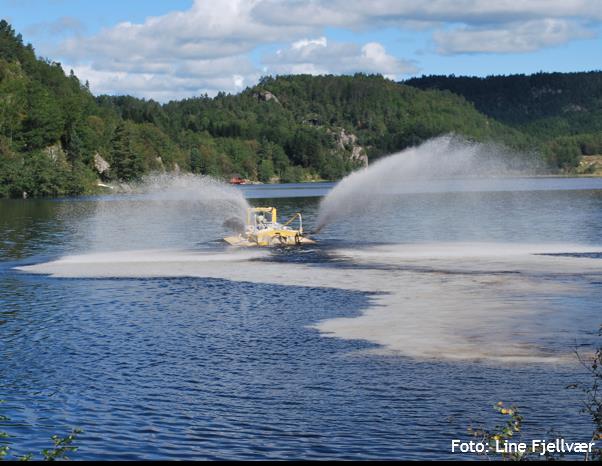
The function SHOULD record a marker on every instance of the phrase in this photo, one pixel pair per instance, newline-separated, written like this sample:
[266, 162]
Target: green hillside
[56, 138]
[299, 119]
[560, 112]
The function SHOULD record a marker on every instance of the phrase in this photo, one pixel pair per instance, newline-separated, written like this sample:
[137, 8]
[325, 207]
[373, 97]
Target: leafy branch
[510, 430]
[62, 445]
[592, 404]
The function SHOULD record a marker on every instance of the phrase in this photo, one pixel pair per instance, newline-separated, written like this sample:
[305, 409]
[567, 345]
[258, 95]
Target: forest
[57, 138]
[560, 113]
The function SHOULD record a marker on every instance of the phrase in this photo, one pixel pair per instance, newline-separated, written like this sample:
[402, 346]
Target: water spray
[443, 158]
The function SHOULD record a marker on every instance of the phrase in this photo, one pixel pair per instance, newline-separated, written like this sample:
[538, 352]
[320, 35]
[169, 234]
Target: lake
[127, 317]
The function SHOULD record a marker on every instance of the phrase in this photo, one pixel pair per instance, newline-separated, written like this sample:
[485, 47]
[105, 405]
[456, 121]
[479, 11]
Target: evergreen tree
[266, 170]
[126, 165]
[196, 161]
[44, 123]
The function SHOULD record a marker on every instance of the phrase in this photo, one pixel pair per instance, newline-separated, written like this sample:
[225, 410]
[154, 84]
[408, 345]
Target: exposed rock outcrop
[265, 96]
[55, 153]
[590, 165]
[348, 141]
[101, 165]
[158, 165]
[573, 108]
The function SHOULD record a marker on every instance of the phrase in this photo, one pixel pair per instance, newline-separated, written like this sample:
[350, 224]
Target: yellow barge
[262, 229]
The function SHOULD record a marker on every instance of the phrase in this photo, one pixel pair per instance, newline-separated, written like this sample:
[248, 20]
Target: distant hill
[562, 112]
[301, 126]
[56, 138]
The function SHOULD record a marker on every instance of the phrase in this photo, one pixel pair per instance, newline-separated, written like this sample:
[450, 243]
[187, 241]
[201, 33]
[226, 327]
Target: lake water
[127, 317]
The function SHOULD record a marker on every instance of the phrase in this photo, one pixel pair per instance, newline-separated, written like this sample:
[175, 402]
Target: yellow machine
[263, 229]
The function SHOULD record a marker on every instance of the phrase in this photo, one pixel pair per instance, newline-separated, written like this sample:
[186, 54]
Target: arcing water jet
[442, 158]
[164, 210]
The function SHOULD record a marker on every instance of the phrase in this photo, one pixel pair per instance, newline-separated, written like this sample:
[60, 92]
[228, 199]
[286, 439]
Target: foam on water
[443, 301]
[470, 301]
[438, 300]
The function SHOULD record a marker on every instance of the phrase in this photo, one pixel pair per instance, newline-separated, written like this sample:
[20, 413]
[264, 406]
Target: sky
[174, 49]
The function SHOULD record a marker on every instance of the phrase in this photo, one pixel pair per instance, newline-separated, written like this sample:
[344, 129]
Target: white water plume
[206, 190]
[163, 210]
[443, 159]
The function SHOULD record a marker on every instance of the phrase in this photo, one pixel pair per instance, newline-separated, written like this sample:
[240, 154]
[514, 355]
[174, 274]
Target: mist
[162, 210]
[446, 160]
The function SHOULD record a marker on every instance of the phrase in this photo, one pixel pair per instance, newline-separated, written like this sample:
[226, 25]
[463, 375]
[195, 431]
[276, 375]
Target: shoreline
[104, 189]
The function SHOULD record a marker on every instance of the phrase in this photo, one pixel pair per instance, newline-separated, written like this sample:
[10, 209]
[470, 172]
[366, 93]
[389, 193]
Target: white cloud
[207, 30]
[196, 51]
[375, 58]
[512, 38]
[307, 44]
[182, 53]
[320, 56]
[543, 23]
[358, 13]
[207, 47]
[163, 87]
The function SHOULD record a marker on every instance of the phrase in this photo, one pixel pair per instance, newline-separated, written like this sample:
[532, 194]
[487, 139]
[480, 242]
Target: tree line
[57, 138]
[560, 113]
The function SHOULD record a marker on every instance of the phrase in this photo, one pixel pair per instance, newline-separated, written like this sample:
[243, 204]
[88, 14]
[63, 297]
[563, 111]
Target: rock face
[100, 164]
[573, 108]
[55, 153]
[590, 165]
[157, 165]
[348, 141]
[358, 154]
[266, 96]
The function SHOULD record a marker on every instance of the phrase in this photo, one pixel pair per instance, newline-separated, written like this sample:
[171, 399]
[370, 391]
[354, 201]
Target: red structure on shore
[237, 180]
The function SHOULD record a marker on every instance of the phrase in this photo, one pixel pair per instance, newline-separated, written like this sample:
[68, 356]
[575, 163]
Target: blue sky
[180, 48]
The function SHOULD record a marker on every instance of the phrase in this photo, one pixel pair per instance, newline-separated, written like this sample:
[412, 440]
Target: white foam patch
[468, 250]
[453, 313]
[431, 304]
[480, 257]
[142, 263]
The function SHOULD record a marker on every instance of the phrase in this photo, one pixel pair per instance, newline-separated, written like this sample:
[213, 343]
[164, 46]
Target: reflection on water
[441, 304]
[27, 226]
